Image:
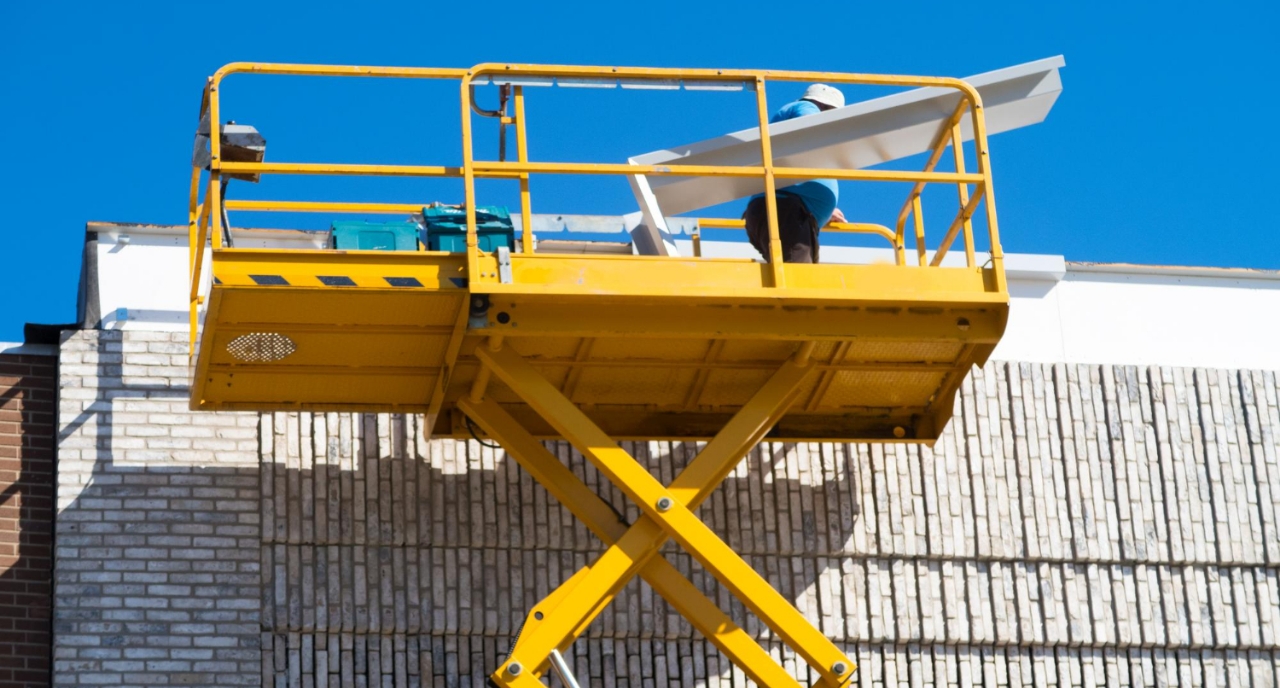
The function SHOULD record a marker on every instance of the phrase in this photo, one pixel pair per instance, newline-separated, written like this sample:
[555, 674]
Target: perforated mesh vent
[261, 347]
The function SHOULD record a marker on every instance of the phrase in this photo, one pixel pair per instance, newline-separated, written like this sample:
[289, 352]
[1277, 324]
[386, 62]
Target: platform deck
[672, 356]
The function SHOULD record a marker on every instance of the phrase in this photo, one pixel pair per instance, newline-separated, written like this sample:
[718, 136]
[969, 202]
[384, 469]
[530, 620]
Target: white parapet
[1061, 311]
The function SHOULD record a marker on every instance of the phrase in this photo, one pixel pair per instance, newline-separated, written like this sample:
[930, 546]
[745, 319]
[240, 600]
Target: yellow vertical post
[469, 184]
[770, 187]
[984, 168]
[193, 220]
[522, 155]
[957, 148]
[213, 201]
[215, 131]
[213, 197]
[193, 215]
[198, 242]
[917, 213]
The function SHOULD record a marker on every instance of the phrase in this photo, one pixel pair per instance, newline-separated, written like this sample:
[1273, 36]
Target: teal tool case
[446, 228]
[357, 235]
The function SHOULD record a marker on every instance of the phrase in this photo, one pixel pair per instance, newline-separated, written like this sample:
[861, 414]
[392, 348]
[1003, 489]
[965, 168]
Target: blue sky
[1157, 152]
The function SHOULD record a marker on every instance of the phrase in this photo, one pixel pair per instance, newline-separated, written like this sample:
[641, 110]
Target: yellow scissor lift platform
[523, 346]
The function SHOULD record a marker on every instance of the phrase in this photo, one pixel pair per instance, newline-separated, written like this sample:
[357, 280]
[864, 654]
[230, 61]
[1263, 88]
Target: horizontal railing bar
[850, 227]
[513, 170]
[323, 207]
[347, 169]
[647, 73]
[724, 171]
[668, 73]
[337, 70]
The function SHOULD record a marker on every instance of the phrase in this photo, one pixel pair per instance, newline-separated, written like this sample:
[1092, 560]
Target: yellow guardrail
[205, 213]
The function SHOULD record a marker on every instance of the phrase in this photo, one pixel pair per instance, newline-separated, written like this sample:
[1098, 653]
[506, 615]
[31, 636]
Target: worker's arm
[836, 216]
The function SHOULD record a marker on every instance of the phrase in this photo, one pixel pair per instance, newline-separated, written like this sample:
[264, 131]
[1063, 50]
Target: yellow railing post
[213, 197]
[770, 190]
[917, 215]
[522, 155]
[213, 200]
[469, 184]
[984, 168]
[193, 219]
[957, 148]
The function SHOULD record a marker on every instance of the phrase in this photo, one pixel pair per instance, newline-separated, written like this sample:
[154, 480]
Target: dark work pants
[796, 227]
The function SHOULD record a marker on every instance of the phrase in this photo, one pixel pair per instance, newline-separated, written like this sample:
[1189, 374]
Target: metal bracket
[504, 265]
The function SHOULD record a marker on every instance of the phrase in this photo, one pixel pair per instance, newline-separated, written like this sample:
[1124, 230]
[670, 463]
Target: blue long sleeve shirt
[819, 195]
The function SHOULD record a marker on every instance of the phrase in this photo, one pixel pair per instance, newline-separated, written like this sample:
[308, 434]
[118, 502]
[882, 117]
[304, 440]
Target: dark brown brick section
[27, 410]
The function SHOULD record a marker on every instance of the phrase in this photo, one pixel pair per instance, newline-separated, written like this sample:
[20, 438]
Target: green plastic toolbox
[357, 235]
[447, 228]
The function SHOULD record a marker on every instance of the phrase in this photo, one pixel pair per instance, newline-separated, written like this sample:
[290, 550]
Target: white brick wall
[157, 570]
[1077, 525]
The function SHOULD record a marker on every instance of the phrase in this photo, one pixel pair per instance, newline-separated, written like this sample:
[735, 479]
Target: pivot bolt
[514, 668]
[839, 668]
[664, 503]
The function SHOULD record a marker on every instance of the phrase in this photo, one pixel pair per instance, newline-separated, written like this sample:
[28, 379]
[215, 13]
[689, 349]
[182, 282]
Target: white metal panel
[1141, 315]
[143, 273]
[855, 136]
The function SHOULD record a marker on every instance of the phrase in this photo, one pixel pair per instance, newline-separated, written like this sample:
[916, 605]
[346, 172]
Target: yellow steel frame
[668, 512]
[205, 212]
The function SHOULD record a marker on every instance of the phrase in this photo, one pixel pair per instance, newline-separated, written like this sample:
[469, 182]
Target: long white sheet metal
[858, 135]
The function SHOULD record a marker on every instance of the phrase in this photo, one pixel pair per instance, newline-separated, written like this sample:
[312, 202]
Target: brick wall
[26, 517]
[1075, 526]
[158, 534]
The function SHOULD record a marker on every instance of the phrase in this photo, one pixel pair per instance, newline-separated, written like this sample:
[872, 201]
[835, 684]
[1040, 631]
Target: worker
[802, 208]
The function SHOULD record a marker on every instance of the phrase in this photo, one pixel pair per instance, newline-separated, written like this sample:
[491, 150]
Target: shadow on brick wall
[385, 561]
[157, 573]
[383, 553]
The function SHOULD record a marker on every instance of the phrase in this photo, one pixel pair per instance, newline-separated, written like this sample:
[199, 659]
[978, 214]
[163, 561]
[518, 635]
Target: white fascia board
[1123, 314]
[24, 349]
[114, 232]
[856, 136]
[1159, 271]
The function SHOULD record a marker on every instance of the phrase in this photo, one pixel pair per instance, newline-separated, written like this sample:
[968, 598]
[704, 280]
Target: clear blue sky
[1159, 150]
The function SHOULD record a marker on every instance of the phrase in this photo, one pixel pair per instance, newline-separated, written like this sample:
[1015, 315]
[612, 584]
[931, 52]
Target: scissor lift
[526, 346]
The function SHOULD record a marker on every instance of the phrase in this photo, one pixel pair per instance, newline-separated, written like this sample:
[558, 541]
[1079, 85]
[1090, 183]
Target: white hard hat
[825, 95]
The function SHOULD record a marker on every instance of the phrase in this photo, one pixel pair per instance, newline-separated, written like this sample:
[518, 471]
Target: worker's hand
[836, 216]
